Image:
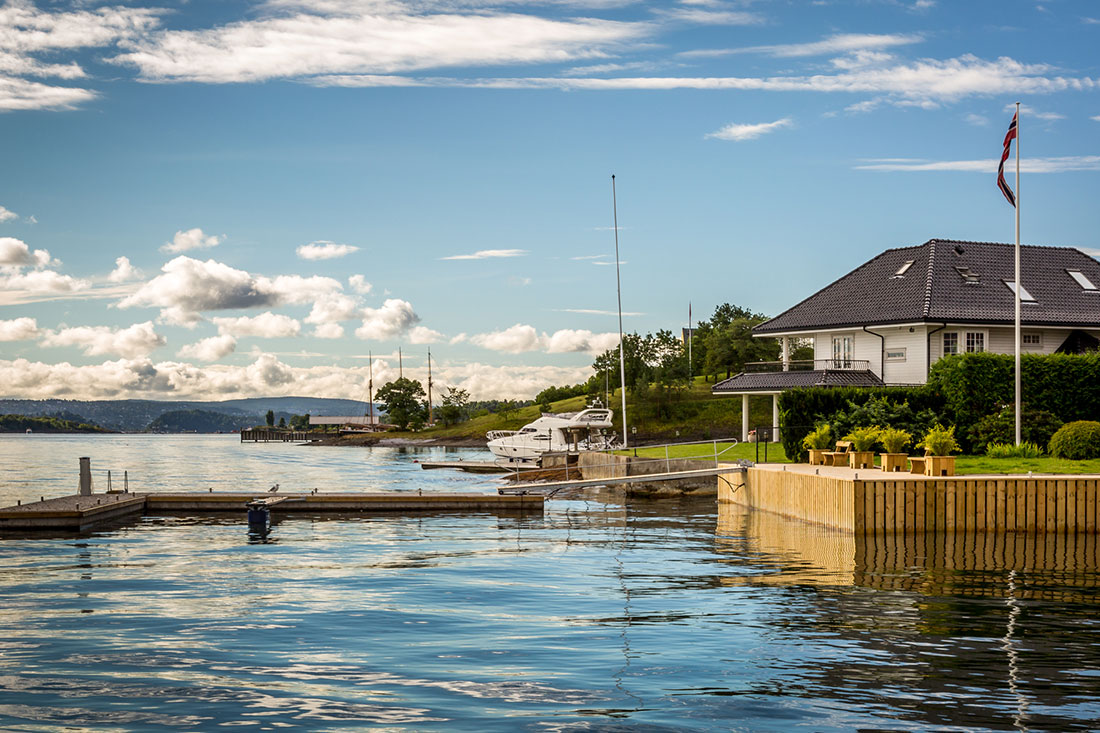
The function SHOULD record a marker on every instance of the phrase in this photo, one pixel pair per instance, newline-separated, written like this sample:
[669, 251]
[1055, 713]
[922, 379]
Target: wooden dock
[84, 513]
[467, 466]
[273, 435]
[870, 501]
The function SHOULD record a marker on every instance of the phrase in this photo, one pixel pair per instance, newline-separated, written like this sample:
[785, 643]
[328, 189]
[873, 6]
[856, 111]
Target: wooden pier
[85, 513]
[869, 501]
[273, 435]
[467, 466]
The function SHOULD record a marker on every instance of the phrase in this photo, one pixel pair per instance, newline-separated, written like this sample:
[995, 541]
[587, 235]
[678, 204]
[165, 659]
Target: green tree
[299, 422]
[271, 418]
[401, 399]
[731, 346]
[453, 409]
[282, 422]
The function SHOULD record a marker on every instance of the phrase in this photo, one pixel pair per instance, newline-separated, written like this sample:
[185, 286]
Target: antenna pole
[619, 292]
[1019, 285]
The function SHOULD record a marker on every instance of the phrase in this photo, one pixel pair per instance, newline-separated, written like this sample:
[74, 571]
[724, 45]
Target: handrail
[806, 365]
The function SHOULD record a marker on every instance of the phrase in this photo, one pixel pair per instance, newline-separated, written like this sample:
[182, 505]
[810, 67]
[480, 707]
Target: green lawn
[705, 451]
[1046, 464]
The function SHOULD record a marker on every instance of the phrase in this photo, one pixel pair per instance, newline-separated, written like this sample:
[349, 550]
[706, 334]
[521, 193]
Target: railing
[808, 365]
[494, 434]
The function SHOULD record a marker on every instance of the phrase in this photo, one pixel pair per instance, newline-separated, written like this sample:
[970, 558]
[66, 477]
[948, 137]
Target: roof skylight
[907, 265]
[967, 275]
[1081, 279]
[1025, 297]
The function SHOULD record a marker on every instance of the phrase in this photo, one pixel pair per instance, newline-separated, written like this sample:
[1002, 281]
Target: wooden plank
[1081, 494]
[890, 506]
[1054, 504]
[967, 504]
[1035, 515]
[859, 493]
[880, 504]
[980, 487]
[1069, 489]
[1010, 505]
[918, 505]
[1090, 508]
[948, 488]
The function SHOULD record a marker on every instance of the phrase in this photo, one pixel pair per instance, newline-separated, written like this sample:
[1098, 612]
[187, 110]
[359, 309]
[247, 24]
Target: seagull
[273, 489]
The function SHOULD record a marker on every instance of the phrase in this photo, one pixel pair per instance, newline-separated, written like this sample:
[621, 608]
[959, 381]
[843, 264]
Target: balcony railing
[809, 365]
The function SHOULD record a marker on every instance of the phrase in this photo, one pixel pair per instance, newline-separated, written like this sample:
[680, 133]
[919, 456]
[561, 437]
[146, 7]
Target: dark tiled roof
[778, 381]
[934, 289]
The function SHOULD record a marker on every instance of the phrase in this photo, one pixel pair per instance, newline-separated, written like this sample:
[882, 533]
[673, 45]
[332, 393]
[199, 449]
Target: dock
[273, 435]
[85, 513]
[467, 466]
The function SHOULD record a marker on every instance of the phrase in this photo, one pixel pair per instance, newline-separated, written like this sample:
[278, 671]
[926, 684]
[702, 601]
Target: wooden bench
[917, 464]
[839, 457]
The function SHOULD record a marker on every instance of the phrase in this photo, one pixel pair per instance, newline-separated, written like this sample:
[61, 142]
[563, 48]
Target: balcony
[808, 365]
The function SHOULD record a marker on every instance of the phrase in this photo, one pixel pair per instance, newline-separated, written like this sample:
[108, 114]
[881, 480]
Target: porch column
[786, 353]
[775, 418]
[744, 418]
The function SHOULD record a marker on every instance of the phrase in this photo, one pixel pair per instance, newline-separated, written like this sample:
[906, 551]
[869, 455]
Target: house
[888, 320]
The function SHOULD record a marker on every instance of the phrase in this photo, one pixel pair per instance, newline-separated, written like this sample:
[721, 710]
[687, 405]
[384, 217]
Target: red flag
[1001, 184]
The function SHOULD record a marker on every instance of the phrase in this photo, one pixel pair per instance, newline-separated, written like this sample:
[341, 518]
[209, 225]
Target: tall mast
[370, 386]
[619, 291]
[429, 386]
[400, 365]
[1019, 285]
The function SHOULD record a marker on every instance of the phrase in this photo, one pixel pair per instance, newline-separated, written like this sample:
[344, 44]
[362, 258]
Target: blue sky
[222, 199]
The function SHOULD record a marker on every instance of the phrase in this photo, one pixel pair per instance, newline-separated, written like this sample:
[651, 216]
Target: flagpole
[691, 370]
[1019, 285]
[619, 291]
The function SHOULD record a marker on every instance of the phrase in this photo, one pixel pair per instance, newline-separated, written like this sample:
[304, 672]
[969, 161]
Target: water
[595, 615]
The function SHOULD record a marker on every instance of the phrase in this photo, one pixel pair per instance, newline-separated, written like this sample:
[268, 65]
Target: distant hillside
[198, 421]
[135, 415]
[22, 423]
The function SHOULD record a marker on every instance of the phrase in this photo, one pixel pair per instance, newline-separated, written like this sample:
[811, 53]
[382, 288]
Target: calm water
[594, 615]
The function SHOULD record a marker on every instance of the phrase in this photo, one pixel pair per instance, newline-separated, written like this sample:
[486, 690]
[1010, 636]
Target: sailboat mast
[370, 387]
[429, 386]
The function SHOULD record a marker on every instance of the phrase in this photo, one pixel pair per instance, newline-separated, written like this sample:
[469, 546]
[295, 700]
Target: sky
[218, 199]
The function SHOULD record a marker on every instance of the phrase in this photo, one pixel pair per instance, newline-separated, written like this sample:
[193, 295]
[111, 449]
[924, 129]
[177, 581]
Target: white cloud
[596, 312]
[571, 341]
[1029, 112]
[371, 38]
[359, 284]
[209, 349]
[191, 239]
[458, 339]
[710, 17]
[266, 325]
[188, 286]
[514, 340]
[394, 318]
[7, 215]
[15, 252]
[486, 254]
[323, 250]
[19, 329]
[976, 120]
[1095, 118]
[425, 335]
[334, 308]
[124, 271]
[927, 82]
[739, 132]
[1027, 165]
[838, 43]
[17, 285]
[137, 340]
[329, 331]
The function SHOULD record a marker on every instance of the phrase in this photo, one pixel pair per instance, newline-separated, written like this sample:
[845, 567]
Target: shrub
[801, 409]
[1077, 441]
[1008, 450]
[820, 439]
[864, 438]
[940, 441]
[1036, 426]
[894, 440]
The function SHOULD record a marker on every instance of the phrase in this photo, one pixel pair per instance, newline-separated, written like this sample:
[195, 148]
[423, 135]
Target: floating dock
[467, 466]
[84, 513]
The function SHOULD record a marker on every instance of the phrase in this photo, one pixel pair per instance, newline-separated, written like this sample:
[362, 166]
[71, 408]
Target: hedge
[800, 408]
[976, 385]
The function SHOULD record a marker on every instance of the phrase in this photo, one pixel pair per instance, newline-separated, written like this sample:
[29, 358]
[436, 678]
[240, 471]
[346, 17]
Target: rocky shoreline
[367, 439]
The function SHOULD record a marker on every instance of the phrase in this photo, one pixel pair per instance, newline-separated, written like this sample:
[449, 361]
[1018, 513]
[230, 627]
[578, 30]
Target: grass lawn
[1046, 464]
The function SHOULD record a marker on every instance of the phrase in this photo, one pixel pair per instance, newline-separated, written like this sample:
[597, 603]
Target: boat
[573, 432]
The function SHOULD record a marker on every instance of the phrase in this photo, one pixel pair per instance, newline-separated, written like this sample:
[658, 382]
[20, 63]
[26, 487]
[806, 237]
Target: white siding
[914, 339]
[1002, 339]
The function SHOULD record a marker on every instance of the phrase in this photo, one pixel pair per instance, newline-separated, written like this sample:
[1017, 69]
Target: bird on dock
[273, 489]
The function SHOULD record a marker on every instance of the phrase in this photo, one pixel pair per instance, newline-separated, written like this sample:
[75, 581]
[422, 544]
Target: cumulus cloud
[137, 340]
[572, 341]
[19, 329]
[187, 287]
[394, 318]
[739, 132]
[16, 253]
[359, 284]
[425, 335]
[124, 271]
[514, 340]
[329, 331]
[6, 215]
[266, 325]
[191, 239]
[522, 338]
[487, 254]
[324, 250]
[334, 308]
[209, 349]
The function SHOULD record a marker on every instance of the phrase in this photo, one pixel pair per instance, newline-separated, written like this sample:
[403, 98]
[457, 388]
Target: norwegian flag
[1001, 183]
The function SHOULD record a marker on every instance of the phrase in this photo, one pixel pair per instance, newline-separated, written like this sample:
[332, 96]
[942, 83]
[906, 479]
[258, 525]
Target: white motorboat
[586, 430]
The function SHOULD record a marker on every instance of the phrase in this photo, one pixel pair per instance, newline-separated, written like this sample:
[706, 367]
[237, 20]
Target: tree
[453, 409]
[282, 422]
[401, 399]
[271, 418]
[731, 346]
[299, 422]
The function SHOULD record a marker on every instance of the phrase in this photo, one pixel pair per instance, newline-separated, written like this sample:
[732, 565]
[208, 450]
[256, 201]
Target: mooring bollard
[85, 476]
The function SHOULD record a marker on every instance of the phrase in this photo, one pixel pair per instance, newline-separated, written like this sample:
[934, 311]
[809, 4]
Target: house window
[950, 343]
[1025, 297]
[895, 354]
[842, 352]
[1081, 279]
[904, 268]
[1034, 340]
[975, 341]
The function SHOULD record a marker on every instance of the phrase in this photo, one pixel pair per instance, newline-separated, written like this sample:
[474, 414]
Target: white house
[888, 320]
